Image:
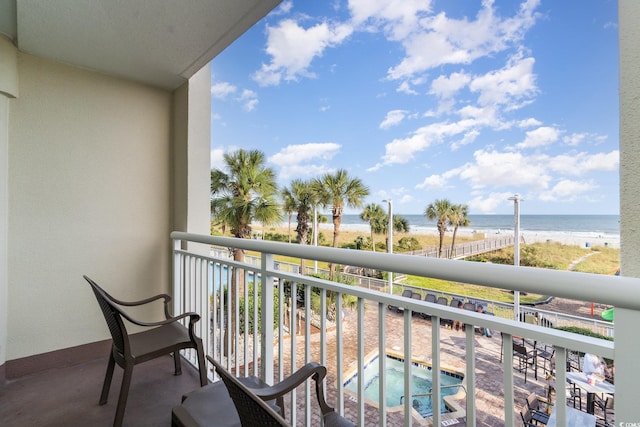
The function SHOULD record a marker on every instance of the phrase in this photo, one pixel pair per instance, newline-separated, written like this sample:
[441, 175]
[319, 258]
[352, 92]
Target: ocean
[584, 225]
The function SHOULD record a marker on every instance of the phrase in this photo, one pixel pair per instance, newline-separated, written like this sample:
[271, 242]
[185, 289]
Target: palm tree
[302, 197]
[375, 216]
[289, 206]
[400, 225]
[337, 190]
[439, 210]
[245, 193]
[458, 218]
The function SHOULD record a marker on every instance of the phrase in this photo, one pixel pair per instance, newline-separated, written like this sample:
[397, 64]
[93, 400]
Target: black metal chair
[525, 358]
[161, 338]
[544, 355]
[527, 419]
[538, 415]
[407, 293]
[256, 404]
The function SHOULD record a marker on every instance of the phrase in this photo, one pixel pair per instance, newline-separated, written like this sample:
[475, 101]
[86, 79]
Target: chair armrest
[193, 318]
[166, 298]
[311, 369]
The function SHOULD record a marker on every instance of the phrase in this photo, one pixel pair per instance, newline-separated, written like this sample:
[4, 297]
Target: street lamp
[390, 242]
[315, 236]
[516, 250]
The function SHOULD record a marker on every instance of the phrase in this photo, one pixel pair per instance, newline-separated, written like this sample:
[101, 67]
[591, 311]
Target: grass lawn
[600, 260]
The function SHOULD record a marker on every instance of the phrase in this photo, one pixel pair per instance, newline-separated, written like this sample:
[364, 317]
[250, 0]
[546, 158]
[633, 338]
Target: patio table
[575, 418]
[580, 379]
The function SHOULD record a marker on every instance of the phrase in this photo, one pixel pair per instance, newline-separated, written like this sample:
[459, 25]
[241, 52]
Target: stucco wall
[89, 193]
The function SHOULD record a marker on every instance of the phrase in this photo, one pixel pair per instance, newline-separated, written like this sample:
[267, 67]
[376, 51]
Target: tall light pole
[315, 235]
[390, 240]
[516, 250]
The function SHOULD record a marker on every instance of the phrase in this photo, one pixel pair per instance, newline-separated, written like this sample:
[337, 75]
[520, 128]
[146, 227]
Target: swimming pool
[421, 384]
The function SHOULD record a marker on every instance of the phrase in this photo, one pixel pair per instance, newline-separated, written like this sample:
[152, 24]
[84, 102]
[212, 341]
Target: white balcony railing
[206, 281]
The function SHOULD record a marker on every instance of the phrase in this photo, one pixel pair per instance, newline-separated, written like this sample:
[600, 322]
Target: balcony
[493, 391]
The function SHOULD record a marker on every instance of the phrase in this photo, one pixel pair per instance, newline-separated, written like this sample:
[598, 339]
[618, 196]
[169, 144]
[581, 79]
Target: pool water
[421, 383]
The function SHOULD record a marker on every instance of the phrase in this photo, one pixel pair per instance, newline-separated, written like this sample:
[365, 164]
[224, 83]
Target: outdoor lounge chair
[432, 299]
[159, 339]
[407, 293]
[256, 403]
[469, 306]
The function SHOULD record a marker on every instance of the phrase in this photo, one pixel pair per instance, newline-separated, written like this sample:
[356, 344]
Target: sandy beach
[565, 238]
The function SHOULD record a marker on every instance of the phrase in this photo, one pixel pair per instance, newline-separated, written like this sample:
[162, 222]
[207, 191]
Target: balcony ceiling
[158, 42]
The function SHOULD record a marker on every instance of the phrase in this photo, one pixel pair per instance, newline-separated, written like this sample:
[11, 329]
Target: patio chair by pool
[161, 338]
[407, 293]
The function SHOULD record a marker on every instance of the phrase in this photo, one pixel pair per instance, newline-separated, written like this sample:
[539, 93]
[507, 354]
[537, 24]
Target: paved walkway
[489, 371]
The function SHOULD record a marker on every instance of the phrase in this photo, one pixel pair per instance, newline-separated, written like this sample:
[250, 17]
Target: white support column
[627, 346]
[192, 156]
[8, 90]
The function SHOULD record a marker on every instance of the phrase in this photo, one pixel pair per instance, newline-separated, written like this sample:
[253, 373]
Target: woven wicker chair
[256, 403]
[160, 339]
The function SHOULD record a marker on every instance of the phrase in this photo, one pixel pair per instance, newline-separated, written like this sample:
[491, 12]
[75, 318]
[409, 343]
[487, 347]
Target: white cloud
[576, 164]
[221, 90]
[574, 139]
[567, 190]
[446, 87]
[405, 87]
[499, 169]
[467, 139]
[217, 158]
[304, 171]
[302, 152]
[397, 17]
[488, 204]
[292, 49]
[284, 8]
[433, 182]
[512, 85]
[542, 136]
[528, 123]
[249, 99]
[393, 118]
[453, 41]
[298, 160]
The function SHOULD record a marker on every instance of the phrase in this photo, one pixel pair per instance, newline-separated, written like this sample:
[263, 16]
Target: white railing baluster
[435, 368]
[408, 367]
[339, 362]
[470, 376]
[382, 363]
[360, 356]
[507, 360]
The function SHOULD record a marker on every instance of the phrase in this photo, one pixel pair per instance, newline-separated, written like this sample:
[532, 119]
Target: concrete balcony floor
[69, 396]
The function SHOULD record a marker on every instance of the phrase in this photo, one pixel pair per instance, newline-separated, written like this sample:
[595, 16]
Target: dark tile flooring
[69, 396]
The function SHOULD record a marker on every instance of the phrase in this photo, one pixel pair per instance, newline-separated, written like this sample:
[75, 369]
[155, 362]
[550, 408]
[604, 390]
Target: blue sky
[467, 100]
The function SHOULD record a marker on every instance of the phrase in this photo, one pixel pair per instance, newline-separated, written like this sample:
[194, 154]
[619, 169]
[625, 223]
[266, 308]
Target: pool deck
[489, 369]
